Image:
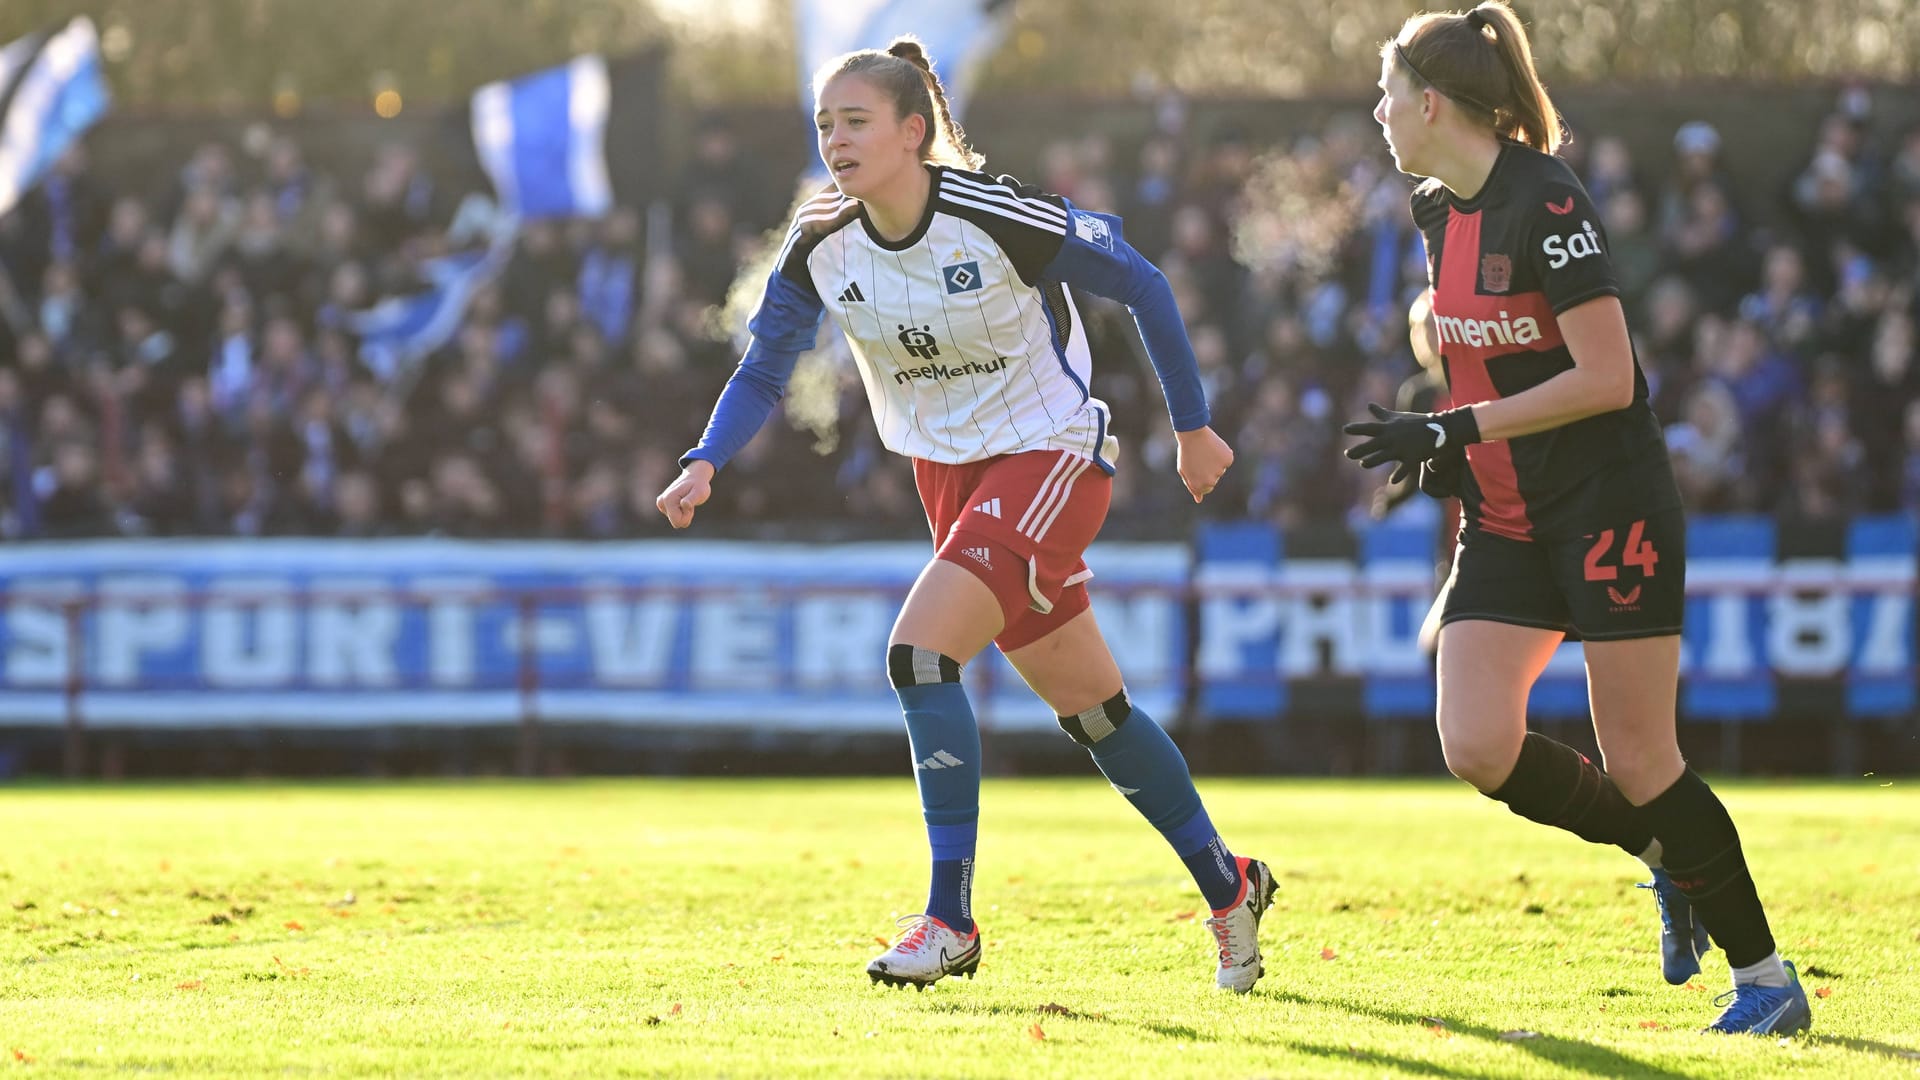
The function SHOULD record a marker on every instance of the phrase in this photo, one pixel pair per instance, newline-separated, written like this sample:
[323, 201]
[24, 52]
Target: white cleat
[1238, 931]
[926, 951]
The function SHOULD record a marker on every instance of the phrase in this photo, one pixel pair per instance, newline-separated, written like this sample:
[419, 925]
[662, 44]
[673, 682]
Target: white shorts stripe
[1066, 493]
[1040, 497]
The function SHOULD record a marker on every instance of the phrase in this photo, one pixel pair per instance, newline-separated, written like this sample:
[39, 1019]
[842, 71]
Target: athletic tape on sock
[1092, 725]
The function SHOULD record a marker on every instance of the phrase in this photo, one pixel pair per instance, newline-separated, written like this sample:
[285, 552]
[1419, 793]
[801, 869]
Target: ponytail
[947, 143]
[1483, 61]
[904, 73]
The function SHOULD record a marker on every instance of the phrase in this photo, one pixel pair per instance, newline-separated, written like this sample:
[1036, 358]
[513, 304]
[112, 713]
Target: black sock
[1556, 785]
[1701, 851]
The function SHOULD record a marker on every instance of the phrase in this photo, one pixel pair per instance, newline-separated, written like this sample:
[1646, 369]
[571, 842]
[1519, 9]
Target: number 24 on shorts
[1638, 552]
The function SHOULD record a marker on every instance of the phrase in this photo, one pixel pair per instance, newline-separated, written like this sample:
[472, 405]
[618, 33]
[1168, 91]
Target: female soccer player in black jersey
[1572, 522]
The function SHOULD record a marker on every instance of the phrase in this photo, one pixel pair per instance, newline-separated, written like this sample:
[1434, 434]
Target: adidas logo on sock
[991, 508]
[979, 555]
[940, 760]
[852, 294]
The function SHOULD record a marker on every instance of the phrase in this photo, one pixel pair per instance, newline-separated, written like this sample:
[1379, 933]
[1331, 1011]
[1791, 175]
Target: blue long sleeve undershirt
[1125, 275]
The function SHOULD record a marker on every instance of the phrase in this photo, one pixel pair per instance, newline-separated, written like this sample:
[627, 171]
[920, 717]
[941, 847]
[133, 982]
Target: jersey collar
[1487, 190]
[919, 231]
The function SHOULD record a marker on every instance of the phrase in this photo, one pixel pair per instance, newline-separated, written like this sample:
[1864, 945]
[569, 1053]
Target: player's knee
[1643, 771]
[1479, 758]
[1089, 726]
[911, 665]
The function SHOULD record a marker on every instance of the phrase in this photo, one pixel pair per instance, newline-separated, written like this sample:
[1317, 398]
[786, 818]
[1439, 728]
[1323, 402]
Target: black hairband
[1476, 20]
[1401, 52]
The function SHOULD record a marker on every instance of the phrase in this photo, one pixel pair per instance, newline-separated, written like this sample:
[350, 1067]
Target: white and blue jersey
[966, 338]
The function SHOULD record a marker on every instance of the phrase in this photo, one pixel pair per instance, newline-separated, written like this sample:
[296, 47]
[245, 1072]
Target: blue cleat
[1683, 939]
[1765, 1010]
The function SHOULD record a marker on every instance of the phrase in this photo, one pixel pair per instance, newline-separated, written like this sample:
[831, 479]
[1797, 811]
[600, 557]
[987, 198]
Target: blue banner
[790, 637]
[1829, 610]
[753, 636]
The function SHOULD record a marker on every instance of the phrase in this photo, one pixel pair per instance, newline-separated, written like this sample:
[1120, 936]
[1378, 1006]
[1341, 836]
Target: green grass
[719, 929]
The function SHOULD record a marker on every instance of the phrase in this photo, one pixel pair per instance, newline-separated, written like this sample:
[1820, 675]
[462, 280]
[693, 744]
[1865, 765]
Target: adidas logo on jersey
[991, 508]
[852, 294]
[940, 760]
[981, 555]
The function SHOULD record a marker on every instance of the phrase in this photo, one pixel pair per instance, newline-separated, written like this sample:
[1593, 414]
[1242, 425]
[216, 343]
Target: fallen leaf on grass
[22, 1056]
[1056, 1009]
[1036, 1032]
[880, 941]
[293, 926]
[675, 1011]
[1652, 1025]
[1818, 972]
[1825, 991]
[1434, 1022]
[1516, 1036]
[190, 984]
[777, 957]
[653, 1021]
[1328, 954]
[1182, 916]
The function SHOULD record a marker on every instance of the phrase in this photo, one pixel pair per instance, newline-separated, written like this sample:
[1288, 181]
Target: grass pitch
[701, 928]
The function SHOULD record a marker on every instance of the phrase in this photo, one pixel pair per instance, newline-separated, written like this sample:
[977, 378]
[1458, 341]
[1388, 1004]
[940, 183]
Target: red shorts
[1020, 522]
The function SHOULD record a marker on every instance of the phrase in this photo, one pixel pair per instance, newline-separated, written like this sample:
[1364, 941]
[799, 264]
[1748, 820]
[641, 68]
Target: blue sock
[1145, 766]
[946, 766]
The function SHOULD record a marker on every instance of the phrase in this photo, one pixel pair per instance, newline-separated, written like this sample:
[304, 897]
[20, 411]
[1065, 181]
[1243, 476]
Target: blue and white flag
[401, 329]
[958, 34]
[542, 139]
[51, 91]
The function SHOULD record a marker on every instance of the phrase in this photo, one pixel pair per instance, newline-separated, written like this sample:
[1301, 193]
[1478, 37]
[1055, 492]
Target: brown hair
[904, 73]
[1481, 60]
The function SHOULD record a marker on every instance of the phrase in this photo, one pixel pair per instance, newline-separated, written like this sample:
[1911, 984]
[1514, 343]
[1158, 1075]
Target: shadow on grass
[1411, 1066]
[1568, 1053]
[1865, 1046]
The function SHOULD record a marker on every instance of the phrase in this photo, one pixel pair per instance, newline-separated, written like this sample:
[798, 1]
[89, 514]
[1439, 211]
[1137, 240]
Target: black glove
[1409, 438]
[1440, 474]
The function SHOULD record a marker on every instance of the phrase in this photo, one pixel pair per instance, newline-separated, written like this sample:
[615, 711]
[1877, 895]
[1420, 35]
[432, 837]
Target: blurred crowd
[188, 365]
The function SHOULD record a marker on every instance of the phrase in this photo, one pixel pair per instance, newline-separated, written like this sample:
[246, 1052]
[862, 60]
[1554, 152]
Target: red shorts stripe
[1044, 507]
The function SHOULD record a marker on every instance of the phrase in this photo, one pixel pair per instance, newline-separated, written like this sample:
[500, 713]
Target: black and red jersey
[1503, 266]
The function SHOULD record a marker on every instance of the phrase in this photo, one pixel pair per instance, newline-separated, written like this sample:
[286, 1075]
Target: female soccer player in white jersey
[949, 285]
